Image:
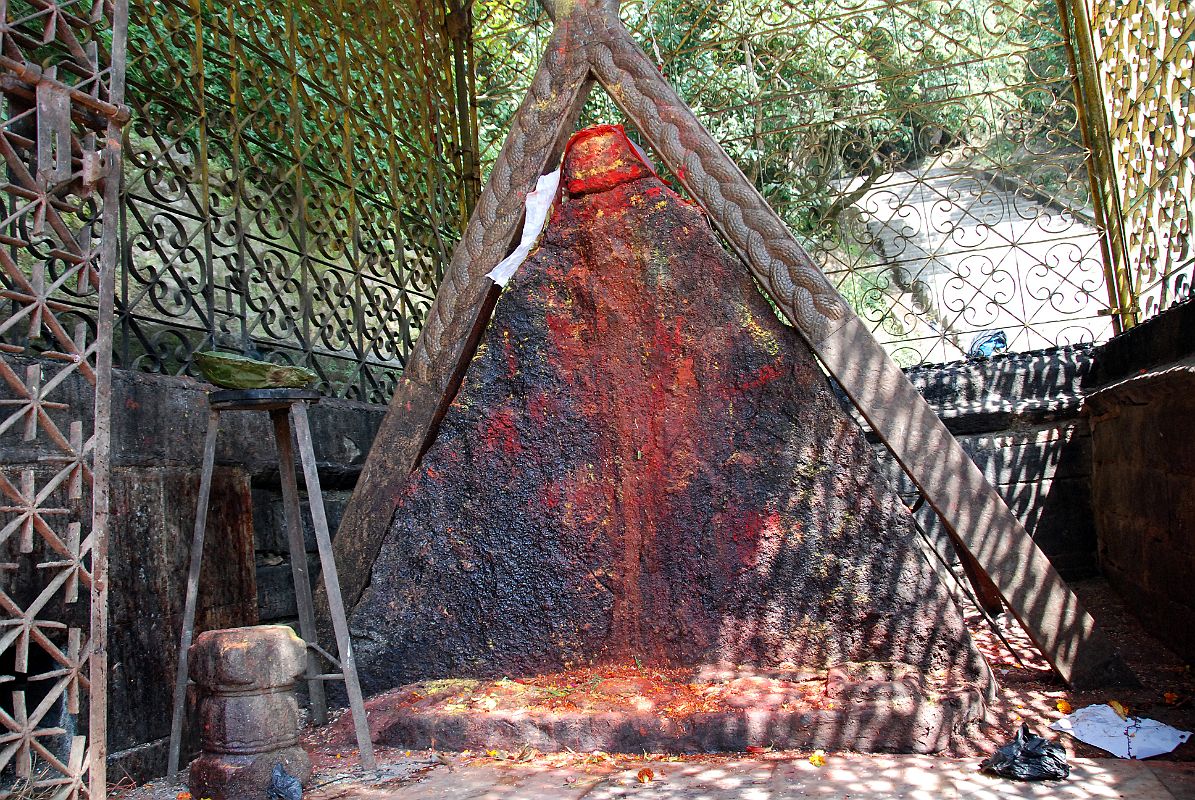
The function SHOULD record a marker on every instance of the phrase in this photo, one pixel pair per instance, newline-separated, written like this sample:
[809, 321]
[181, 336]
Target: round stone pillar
[248, 714]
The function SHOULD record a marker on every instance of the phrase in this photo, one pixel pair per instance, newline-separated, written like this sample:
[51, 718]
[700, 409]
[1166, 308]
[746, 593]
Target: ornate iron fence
[1143, 59]
[296, 177]
[929, 154]
[61, 89]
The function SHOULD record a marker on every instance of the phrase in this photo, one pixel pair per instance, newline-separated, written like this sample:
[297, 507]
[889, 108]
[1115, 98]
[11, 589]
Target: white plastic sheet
[538, 205]
[1134, 737]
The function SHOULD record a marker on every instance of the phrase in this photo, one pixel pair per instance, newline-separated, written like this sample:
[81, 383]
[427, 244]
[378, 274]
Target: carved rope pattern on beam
[775, 258]
[491, 229]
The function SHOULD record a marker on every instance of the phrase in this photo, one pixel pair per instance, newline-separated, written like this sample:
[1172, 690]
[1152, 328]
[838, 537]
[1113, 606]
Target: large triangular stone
[644, 464]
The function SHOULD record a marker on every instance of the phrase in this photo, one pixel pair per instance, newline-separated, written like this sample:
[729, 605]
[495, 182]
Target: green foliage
[809, 96]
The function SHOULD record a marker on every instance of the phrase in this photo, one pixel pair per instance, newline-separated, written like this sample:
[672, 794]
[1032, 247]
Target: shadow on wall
[1019, 418]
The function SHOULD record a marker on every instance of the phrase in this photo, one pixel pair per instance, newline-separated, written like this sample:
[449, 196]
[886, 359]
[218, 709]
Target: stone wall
[1143, 426]
[1018, 417]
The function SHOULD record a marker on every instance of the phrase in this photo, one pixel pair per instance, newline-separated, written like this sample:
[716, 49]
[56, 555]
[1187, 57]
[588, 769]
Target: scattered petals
[1121, 710]
[818, 759]
[183, 796]
[1064, 706]
[1171, 698]
[645, 775]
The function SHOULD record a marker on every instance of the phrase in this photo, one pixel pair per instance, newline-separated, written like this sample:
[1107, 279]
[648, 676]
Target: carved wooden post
[248, 714]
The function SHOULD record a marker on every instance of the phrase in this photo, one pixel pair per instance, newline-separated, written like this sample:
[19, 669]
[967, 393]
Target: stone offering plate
[233, 371]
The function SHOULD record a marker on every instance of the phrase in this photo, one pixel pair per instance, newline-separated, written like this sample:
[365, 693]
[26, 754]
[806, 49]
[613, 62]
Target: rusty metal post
[323, 540]
[111, 167]
[298, 556]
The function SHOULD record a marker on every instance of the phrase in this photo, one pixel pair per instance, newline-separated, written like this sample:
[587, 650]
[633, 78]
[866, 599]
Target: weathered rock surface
[1143, 471]
[644, 464]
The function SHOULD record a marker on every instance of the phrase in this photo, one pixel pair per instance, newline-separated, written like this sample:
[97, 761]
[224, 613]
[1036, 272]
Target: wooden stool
[287, 408]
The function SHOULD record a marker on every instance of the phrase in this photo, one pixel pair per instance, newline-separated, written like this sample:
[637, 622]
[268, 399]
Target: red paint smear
[564, 326]
[754, 529]
[512, 361]
[542, 409]
[645, 402]
[599, 158]
[765, 375]
[499, 433]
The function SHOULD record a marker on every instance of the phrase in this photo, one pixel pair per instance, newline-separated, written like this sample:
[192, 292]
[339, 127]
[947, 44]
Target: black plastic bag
[284, 786]
[1028, 758]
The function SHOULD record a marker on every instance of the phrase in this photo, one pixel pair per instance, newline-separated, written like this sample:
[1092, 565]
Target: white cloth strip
[539, 204]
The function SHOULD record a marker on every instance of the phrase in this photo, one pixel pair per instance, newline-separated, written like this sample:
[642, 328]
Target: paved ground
[770, 777]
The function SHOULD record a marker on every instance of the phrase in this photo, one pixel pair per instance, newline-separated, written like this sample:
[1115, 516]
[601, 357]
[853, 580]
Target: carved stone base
[229, 777]
[249, 718]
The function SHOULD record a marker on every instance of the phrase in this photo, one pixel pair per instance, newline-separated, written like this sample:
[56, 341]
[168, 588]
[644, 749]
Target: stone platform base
[863, 707]
[244, 777]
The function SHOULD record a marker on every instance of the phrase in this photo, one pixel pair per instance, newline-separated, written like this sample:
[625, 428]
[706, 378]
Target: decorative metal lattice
[60, 100]
[928, 154]
[1145, 57]
[293, 183]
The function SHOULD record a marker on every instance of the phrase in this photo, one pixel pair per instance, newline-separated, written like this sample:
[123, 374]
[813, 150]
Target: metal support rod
[323, 540]
[196, 564]
[33, 75]
[298, 560]
[108, 264]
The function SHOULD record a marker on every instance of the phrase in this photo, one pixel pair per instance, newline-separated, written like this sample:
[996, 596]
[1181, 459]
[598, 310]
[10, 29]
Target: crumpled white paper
[539, 204]
[1125, 738]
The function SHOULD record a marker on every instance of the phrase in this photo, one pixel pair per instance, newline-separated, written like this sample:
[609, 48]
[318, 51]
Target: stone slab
[868, 726]
[869, 707]
[153, 515]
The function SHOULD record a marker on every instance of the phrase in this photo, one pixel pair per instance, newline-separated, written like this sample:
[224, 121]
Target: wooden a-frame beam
[590, 43]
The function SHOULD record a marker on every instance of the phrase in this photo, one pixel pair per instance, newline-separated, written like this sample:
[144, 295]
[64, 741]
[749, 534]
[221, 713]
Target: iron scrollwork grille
[61, 89]
[294, 184]
[1145, 57]
[929, 155]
